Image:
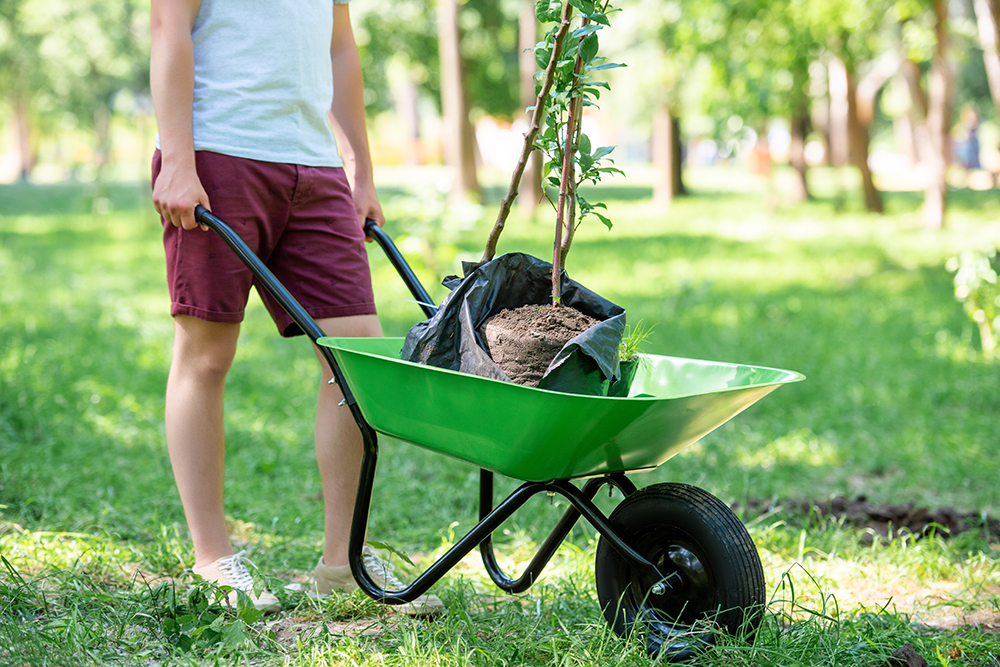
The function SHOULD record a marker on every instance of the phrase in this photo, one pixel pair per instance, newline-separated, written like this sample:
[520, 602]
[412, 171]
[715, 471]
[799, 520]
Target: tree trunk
[939, 116]
[918, 108]
[819, 116]
[667, 156]
[839, 151]
[859, 142]
[102, 134]
[906, 140]
[988, 18]
[23, 138]
[458, 135]
[799, 126]
[842, 81]
[797, 158]
[527, 37]
[406, 97]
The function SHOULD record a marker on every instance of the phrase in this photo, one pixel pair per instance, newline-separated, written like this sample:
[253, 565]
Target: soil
[522, 342]
[884, 519]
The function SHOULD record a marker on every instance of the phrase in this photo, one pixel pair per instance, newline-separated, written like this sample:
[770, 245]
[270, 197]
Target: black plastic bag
[452, 339]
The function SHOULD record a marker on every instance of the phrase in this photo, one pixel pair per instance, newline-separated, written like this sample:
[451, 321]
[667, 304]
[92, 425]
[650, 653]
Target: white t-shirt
[263, 82]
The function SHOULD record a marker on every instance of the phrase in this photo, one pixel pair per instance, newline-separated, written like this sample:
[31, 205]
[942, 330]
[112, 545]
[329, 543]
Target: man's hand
[367, 205]
[175, 195]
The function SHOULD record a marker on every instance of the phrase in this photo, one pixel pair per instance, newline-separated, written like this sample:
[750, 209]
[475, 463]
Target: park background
[799, 192]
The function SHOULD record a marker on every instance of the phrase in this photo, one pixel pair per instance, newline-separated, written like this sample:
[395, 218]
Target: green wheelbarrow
[674, 565]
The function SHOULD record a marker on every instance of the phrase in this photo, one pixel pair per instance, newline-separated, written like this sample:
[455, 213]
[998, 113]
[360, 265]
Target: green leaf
[548, 11]
[585, 146]
[600, 17]
[542, 57]
[584, 30]
[589, 47]
[585, 6]
[234, 634]
[603, 151]
[607, 223]
[391, 549]
[606, 66]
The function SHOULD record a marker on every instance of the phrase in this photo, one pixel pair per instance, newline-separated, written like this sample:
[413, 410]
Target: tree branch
[529, 136]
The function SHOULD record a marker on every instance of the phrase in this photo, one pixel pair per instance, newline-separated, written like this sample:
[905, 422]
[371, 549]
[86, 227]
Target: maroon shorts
[299, 220]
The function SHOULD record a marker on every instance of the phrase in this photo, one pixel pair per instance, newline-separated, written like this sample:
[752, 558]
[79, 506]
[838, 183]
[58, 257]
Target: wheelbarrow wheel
[713, 577]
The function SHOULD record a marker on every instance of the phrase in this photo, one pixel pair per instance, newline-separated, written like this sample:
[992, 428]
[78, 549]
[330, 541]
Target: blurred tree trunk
[527, 37]
[667, 156]
[799, 126]
[906, 139]
[843, 83]
[406, 97]
[918, 108]
[27, 161]
[819, 118]
[797, 157]
[102, 135]
[988, 18]
[837, 123]
[939, 117]
[458, 135]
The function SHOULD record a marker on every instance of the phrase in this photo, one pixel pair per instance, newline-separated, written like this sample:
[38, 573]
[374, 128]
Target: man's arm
[171, 73]
[347, 116]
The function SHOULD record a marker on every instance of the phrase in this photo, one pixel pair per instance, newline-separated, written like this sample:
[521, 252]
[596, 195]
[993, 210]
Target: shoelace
[236, 572]
[380, 569]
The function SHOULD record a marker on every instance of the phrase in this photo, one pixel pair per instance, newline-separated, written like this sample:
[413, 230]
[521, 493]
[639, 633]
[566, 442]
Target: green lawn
[899, 406]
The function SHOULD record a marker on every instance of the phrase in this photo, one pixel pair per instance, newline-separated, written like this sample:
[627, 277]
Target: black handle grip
[263, 274]
[205, 217]
[402, 268]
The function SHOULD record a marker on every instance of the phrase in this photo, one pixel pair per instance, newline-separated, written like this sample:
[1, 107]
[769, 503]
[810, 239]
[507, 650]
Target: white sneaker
[231, 571]
[327, 579]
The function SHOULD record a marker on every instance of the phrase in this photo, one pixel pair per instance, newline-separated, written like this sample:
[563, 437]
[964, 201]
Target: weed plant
[899, 405]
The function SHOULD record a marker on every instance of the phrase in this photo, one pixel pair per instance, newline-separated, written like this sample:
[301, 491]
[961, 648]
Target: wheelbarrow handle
[205, 217]
[260, 271]
[372, 230]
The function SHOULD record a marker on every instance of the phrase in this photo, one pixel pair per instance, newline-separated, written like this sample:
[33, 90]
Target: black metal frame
[490, 517]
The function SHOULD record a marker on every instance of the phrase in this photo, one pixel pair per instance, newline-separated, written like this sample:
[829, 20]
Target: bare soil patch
[524, 341]
[884, 519]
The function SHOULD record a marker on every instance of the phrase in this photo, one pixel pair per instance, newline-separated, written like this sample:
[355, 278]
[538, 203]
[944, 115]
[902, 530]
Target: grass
[899, 405]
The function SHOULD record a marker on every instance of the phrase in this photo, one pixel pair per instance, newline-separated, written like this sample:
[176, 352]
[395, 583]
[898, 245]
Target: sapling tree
[566, 86]
[977, 286]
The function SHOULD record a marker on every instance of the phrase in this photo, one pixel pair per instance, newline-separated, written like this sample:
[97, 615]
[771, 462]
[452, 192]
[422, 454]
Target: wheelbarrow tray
[538, 435]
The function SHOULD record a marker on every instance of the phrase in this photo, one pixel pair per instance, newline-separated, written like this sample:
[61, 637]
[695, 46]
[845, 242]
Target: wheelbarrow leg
[555, 538]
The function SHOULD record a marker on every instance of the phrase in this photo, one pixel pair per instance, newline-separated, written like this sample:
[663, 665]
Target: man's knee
[205, 349]
[355, 325]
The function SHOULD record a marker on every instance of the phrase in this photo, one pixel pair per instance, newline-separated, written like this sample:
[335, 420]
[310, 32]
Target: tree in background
[663, 37]
[852, 34]
[939, 119]
[762, 72]
[21, 74]
[458, 135]
[63, 63]
[462, 56]
[988, 21]
[527, 67]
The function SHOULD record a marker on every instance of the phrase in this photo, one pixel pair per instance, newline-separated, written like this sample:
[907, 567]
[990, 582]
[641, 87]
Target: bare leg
[203, 353]
[338, 445]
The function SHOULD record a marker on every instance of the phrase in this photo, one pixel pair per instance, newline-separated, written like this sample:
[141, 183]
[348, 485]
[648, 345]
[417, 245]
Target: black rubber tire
[710, 561]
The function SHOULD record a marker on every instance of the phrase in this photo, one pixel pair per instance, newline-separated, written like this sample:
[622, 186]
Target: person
[968, 149]
[250, 128]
